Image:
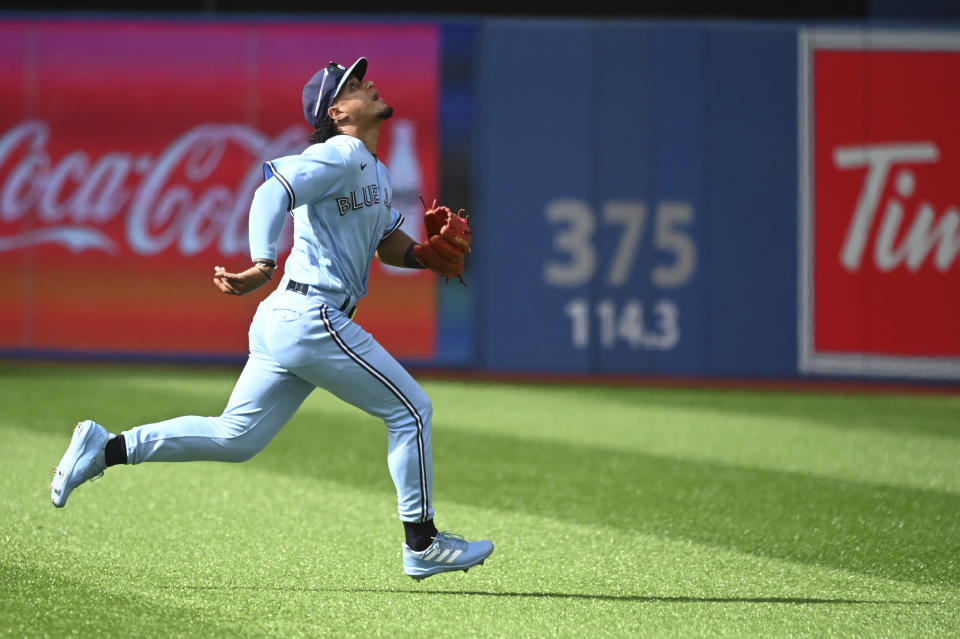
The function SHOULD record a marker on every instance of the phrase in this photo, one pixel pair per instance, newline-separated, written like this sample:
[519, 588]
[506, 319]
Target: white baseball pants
[298, 343]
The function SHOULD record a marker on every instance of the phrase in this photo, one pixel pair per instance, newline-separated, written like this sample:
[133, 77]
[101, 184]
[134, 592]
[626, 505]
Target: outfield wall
[719, 199]
[688, 198]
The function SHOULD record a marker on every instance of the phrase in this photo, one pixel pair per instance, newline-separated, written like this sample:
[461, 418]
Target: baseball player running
[302, 335]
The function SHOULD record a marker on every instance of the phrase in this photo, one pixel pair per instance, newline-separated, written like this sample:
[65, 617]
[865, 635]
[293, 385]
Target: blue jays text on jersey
[370, 197]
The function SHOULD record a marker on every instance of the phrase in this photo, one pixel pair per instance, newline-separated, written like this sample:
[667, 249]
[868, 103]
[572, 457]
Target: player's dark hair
[325, 130]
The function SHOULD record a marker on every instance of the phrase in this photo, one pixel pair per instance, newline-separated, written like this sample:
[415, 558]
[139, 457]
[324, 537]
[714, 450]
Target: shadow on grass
[567, 595]
[885, 531]
[47, 600]
[649, 598]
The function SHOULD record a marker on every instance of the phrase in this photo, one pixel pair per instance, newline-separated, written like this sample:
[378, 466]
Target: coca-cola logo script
[169, 201]
[129, 154]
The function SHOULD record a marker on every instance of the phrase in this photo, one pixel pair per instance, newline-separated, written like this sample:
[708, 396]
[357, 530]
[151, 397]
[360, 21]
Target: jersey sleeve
[267, 213]
[396, 221]
[306, 178]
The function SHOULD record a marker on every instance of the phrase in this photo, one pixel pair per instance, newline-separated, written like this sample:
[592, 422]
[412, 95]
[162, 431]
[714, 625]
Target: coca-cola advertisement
[129, 153]
[880, 203]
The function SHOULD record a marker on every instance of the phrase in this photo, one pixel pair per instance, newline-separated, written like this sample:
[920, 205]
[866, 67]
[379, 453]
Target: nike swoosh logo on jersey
[362, 166]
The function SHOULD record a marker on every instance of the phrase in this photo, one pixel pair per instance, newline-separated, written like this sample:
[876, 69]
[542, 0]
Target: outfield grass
[615, 512]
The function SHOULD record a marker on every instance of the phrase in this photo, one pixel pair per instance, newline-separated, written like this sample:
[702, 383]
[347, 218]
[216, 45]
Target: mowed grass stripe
[657, 589]
[609, 589]
[56, 599]
[861, 438]
[793, 437]
[307, 504]
[883, 531]
[893, 532]
[592, 538]
[897, 532]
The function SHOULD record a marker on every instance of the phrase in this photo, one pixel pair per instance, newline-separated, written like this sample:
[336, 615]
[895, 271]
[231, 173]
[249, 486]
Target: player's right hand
[240, 283]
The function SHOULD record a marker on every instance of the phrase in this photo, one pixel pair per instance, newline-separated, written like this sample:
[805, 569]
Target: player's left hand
[448, 242]
[241, 283]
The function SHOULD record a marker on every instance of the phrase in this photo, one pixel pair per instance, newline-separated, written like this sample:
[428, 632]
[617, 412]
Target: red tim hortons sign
[129, 154]
[879, 142]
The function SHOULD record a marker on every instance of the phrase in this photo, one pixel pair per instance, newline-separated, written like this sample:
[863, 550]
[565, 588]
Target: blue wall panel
[751, 199]
[536, 142]
[638, 191]
[649, 104]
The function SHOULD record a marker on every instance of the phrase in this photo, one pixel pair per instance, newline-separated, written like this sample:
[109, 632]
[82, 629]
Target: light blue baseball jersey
[339, 196]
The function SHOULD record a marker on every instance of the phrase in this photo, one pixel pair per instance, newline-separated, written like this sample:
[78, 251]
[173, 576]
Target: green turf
[615, 512]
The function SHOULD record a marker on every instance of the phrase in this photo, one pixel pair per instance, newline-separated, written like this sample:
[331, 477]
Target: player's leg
[347, 361]
[264, 399]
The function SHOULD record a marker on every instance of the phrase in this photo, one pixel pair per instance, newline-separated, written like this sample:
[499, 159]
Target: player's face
[362, 102]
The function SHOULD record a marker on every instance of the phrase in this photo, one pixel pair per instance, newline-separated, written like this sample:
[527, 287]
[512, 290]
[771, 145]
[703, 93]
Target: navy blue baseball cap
[325, 85]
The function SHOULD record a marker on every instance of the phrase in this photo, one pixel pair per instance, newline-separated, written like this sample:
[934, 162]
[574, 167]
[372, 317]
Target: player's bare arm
[268, 210]
[397, 250]
[244, 282]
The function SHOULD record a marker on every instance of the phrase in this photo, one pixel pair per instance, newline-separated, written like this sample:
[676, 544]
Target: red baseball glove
[447, 244]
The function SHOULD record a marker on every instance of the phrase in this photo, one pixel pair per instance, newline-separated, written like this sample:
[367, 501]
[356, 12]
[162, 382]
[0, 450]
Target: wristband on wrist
[410, 259]
[266, 273]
